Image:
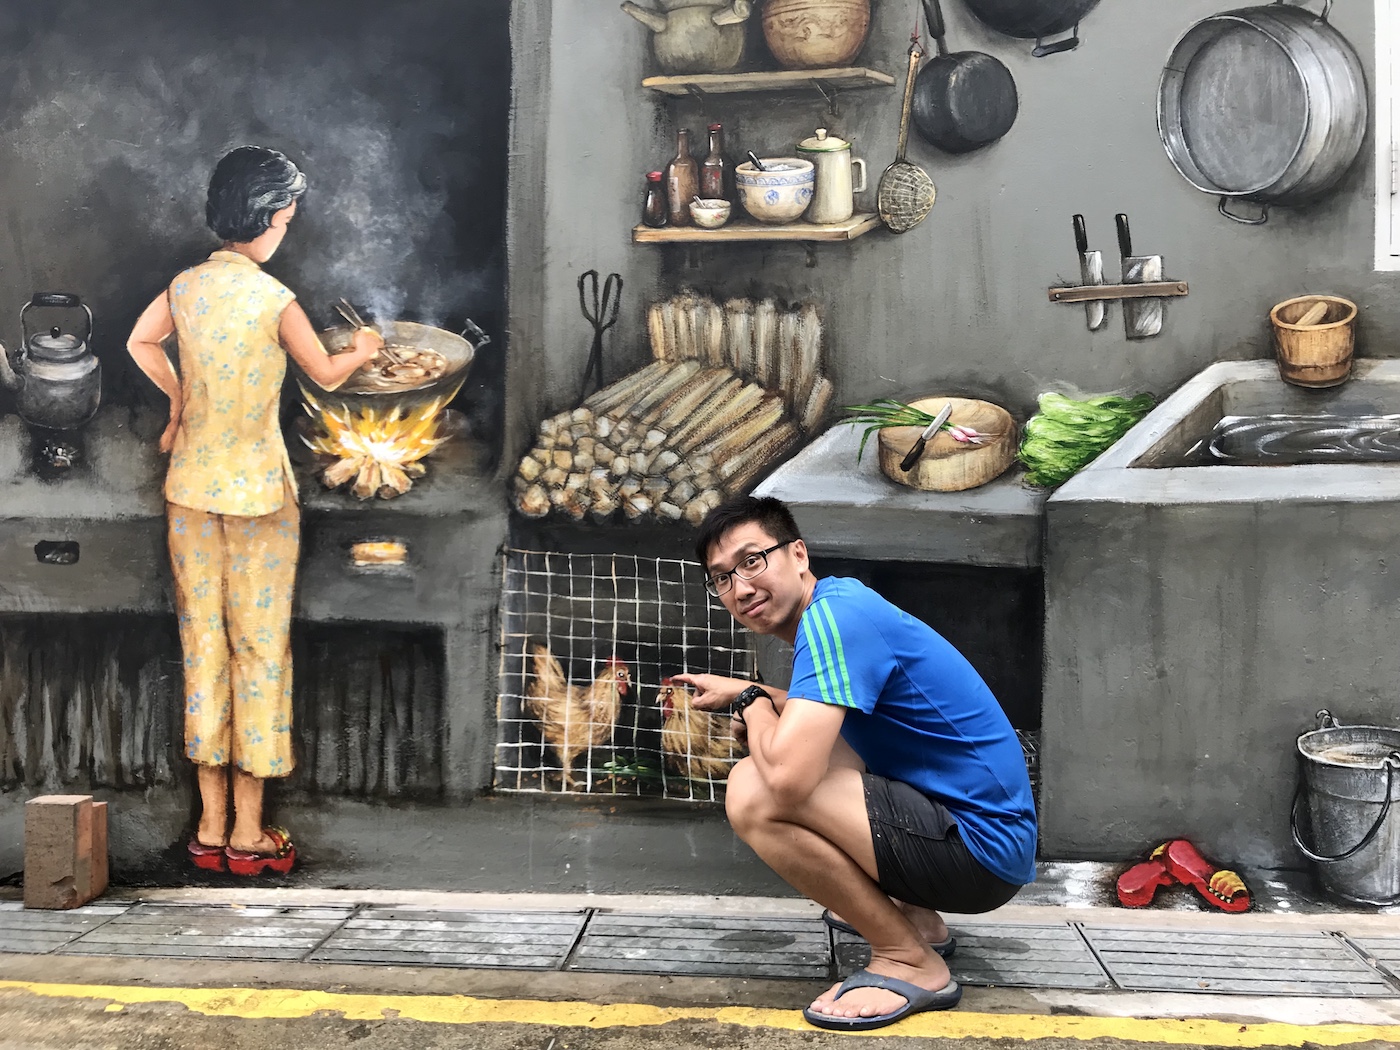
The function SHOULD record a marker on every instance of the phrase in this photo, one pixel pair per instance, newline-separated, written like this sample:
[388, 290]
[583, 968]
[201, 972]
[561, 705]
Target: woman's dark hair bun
[250, 184]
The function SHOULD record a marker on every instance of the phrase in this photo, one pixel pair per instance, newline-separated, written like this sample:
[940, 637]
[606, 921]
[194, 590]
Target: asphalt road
[56, 1003]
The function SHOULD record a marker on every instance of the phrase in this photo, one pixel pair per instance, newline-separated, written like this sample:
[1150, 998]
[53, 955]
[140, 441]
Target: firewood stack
[732, 389]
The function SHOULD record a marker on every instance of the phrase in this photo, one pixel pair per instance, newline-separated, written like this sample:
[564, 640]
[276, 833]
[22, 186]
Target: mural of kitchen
[1065, 325]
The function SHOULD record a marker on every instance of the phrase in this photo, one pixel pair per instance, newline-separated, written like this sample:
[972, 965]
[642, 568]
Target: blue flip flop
[917, 1000]
[944, 948]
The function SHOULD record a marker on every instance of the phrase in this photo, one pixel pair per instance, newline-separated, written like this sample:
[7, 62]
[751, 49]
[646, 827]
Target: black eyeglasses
[749, 566]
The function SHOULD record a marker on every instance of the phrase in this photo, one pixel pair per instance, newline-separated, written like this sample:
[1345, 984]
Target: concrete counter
[851, 510]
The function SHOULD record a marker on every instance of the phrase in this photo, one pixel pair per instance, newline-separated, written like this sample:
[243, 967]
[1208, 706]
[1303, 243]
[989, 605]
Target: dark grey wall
[961, 300]
[112, 116]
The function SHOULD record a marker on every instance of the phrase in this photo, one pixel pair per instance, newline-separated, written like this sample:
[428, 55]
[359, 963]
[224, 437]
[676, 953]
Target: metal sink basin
[1198, 616]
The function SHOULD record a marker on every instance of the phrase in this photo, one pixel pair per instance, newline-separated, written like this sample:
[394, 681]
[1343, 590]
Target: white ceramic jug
[834, 198]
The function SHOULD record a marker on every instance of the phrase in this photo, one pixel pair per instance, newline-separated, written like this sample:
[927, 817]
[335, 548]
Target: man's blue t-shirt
[921, 714]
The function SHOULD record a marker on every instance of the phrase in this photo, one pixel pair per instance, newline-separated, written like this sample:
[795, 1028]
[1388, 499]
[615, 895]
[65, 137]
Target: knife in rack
[1090, 272]
[1142, 318]
[917, 449]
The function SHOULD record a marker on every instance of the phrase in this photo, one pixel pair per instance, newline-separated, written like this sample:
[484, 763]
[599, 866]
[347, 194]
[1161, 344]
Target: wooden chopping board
[948, 465]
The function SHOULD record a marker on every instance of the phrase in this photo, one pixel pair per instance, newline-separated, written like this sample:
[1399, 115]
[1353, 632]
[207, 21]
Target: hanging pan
[1267, 104]
[962, 101]
[1035, 20]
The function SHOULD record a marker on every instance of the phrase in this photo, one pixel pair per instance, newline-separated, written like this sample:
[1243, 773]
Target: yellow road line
[262, 1003]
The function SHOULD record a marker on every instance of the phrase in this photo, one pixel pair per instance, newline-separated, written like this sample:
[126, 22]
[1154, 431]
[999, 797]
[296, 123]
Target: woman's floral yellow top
[228, 456]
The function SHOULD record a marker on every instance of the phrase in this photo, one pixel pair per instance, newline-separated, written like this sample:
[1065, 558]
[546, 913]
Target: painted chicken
[697, 744]
[573, 718]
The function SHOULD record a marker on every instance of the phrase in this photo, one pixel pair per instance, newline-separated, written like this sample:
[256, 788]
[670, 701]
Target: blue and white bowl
[780, 194]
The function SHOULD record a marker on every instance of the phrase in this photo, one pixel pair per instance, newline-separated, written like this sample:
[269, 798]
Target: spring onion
[887, 412]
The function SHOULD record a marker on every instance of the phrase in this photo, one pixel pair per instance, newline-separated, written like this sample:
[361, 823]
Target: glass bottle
[714, 172]
[654, 210]
[682, 181]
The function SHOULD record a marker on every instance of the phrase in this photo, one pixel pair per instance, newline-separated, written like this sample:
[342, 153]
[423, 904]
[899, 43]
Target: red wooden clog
[210, 858]
[1138, 885]
[1220, 888]
[242, 862]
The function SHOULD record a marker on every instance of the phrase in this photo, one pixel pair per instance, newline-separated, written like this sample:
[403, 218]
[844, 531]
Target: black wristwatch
[744, 699]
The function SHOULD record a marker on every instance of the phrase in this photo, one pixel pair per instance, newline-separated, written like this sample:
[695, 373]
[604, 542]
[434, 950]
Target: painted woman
[231, 505]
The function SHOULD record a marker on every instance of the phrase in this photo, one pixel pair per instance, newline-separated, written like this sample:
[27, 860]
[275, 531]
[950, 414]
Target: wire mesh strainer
[906, 193]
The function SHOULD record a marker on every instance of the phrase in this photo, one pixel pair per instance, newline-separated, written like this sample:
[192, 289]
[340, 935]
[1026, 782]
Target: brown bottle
[654, 210]
[682, 181]
[714, 172]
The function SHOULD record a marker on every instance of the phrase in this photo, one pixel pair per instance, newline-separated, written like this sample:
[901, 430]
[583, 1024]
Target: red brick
[58, 851]
[99, 850]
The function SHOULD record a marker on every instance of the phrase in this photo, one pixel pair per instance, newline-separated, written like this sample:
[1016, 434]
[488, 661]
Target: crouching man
[886, 783]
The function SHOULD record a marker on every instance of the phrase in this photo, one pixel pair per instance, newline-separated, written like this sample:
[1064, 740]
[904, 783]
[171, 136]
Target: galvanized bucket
[1349, 776]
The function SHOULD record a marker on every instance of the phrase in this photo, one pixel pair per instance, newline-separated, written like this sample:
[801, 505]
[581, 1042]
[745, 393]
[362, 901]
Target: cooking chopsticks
[352, 315]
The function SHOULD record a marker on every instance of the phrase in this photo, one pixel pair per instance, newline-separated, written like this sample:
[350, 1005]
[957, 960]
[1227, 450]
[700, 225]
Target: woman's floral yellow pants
[234, 578]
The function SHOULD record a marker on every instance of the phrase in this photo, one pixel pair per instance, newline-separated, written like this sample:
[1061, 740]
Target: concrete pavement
[60, 998]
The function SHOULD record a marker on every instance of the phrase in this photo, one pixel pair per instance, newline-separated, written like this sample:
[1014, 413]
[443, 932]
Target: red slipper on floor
[1138, 885]
[242, 862]
[210, 858]
[1219, 888]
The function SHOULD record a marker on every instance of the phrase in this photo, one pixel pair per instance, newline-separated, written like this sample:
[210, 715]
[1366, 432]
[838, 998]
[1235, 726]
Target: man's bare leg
[927, 921]
[824, 850]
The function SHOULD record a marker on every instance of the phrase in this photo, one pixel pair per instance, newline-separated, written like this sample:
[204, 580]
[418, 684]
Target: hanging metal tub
[1267, 104]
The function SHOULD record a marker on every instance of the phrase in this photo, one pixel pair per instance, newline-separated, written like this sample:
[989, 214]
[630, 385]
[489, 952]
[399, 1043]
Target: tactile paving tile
[704, 945]
[207, 931]
[403, 936]
[37, 932]
[1004, 955]
[1259, 963]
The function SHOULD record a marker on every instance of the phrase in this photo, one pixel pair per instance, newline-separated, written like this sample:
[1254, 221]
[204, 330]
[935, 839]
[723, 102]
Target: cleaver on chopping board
[1142, 318]
[1090, 272]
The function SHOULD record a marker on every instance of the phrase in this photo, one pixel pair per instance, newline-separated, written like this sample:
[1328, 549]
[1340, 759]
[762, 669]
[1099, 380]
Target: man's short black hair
[769, 513]
[250, 185]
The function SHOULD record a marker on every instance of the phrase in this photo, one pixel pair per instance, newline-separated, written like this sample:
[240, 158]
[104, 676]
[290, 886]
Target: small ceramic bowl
[780, 194]
[710, 213]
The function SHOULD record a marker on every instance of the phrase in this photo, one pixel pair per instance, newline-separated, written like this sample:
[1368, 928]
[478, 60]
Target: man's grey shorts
[920, 855]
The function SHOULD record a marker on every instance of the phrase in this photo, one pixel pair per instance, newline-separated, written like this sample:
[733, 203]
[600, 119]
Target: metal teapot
[695, 36]
[55, 376]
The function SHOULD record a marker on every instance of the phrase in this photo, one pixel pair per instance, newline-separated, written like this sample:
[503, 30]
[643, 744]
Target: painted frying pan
[964, 100]
[1035, 20]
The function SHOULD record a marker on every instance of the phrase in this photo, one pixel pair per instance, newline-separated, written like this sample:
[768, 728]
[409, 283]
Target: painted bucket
[1351, 779]
[1318, 355]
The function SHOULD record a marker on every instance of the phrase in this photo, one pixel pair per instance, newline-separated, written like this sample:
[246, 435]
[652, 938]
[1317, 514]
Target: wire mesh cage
[585, 705]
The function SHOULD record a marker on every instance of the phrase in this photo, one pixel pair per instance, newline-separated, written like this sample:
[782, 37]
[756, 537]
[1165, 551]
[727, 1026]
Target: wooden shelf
[747, 230]
[825, 81]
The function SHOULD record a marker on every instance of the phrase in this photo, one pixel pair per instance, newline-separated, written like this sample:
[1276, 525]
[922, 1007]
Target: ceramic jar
[813, 34]
[695, 36]
[834, 197]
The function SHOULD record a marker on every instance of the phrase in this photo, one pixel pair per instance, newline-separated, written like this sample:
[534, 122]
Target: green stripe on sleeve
[816, 659]
[827, 667]
[840, 655]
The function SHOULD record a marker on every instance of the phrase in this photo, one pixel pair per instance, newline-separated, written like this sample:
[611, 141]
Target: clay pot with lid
[695, 36]
[814, 34]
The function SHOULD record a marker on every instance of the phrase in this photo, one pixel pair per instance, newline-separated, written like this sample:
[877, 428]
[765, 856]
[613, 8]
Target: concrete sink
[1198, 616]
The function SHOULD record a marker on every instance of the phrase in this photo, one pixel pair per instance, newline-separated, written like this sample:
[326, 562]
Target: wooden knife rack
[1084, 293]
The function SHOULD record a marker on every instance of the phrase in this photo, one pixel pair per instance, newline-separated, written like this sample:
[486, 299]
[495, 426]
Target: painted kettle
[56, 378]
